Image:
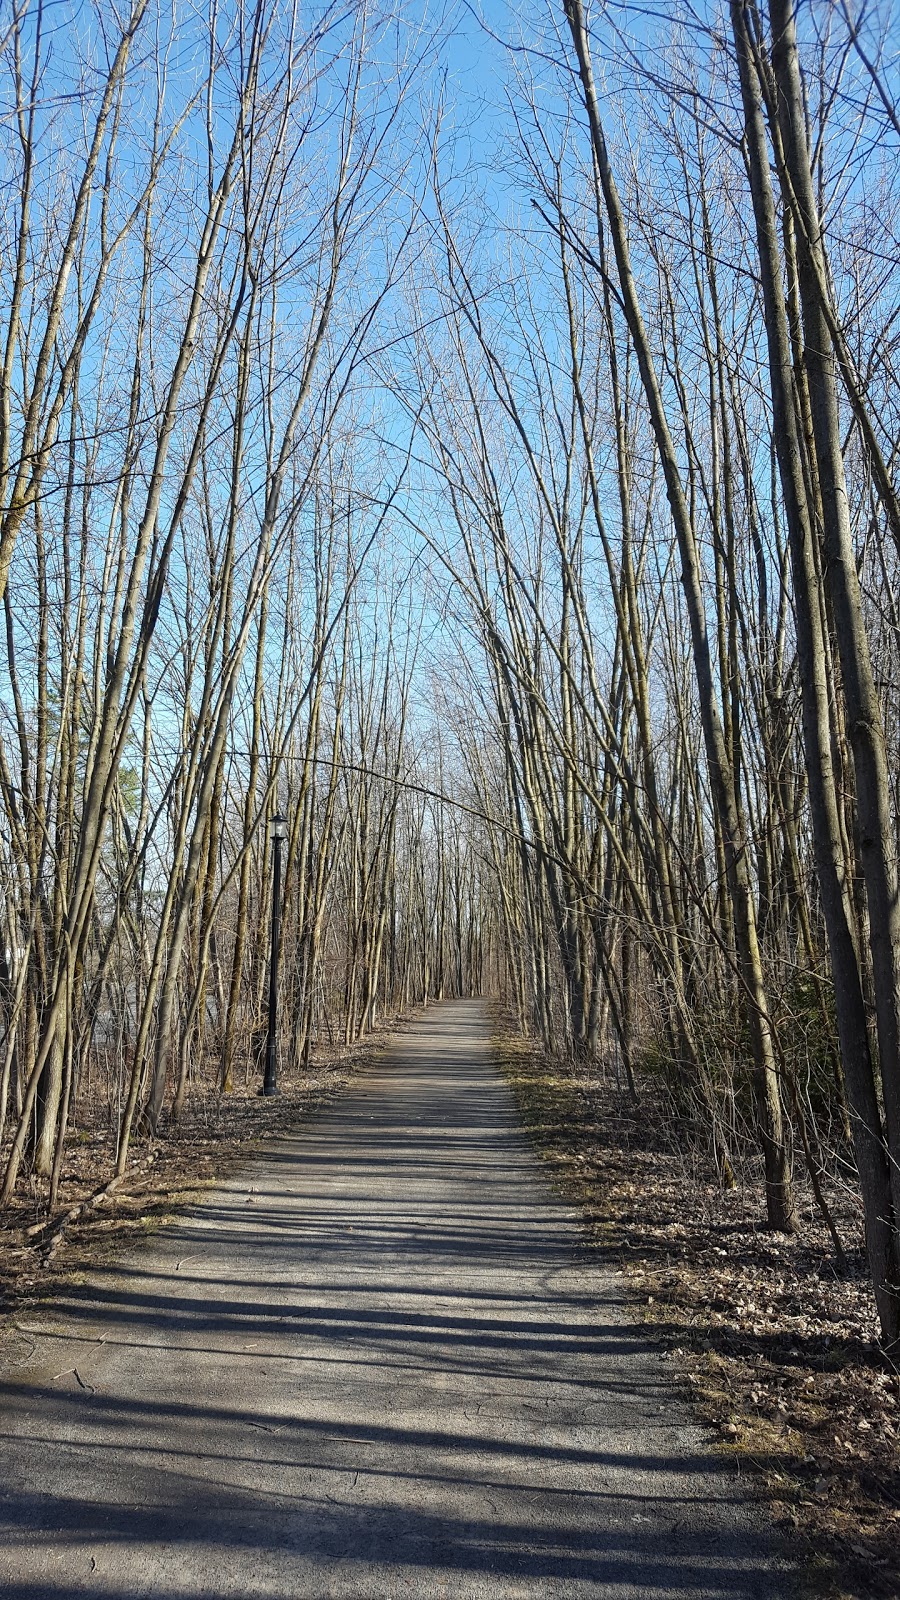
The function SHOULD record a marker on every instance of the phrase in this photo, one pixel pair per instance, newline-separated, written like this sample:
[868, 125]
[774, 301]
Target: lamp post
[270, 1081]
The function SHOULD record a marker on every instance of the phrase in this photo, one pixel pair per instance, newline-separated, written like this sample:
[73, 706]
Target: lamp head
[279, 826]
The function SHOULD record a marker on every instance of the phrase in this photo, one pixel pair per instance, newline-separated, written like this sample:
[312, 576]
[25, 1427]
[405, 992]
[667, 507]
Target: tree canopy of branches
[520, 518]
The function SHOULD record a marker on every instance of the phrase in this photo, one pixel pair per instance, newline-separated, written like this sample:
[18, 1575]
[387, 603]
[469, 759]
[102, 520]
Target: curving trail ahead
[376, 1364]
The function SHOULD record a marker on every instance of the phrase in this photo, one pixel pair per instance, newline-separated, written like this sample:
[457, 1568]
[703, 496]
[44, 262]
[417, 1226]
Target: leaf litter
[779, 1352]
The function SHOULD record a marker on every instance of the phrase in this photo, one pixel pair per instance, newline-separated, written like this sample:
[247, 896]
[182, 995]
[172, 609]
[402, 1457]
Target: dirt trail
[378, 1364]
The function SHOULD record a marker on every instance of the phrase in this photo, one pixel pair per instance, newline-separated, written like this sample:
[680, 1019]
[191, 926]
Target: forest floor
[216, 1134]
[777, 1349]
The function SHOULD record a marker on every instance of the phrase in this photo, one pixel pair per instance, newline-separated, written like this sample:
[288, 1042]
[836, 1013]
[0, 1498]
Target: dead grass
[778, 1351]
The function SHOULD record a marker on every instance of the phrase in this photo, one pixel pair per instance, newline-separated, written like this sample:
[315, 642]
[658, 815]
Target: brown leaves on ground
[780, 1353]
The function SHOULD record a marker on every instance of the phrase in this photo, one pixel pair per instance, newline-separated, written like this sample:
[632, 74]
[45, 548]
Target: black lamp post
[270, 1081]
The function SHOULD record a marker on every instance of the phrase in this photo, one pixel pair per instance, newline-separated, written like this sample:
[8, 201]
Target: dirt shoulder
[779, 1351]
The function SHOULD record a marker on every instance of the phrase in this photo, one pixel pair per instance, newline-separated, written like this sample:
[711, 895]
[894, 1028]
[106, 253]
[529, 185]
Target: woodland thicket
[478, 445]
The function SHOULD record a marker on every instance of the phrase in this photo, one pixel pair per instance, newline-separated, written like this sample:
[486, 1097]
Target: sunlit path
[377, 1365]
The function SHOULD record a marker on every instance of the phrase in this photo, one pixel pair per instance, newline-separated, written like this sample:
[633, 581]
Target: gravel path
[378, 1364]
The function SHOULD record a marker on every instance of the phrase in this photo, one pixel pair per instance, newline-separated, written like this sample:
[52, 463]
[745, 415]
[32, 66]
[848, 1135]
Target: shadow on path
[381, 1364]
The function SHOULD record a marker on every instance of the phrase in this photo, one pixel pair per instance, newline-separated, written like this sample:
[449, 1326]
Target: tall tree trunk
[779, 1196]
[824, 806]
